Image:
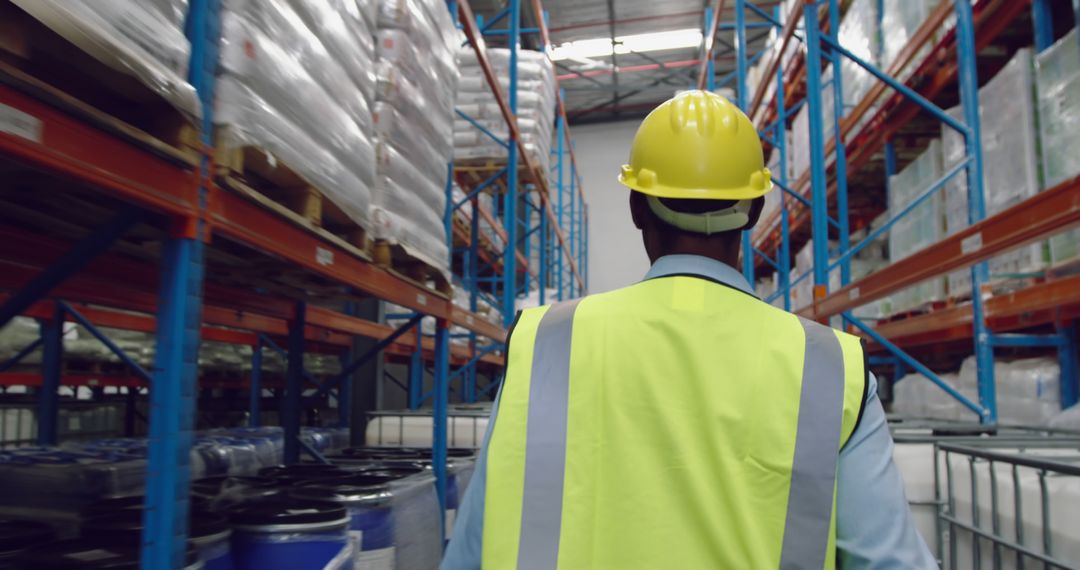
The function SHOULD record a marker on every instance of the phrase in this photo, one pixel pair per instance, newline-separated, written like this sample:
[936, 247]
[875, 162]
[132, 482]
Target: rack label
[324, 256]
[971, 243]
[421, 299]
[469, 319]
[853, 294]
[20, 124]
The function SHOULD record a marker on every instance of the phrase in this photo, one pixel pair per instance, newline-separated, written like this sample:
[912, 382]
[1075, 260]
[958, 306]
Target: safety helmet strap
[708, 223]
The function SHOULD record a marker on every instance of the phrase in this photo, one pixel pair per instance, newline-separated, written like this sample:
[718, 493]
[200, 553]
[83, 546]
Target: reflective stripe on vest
[810, 503]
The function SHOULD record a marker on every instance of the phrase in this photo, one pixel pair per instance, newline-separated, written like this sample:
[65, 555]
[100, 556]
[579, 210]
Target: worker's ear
[755, 211]
[639, 209]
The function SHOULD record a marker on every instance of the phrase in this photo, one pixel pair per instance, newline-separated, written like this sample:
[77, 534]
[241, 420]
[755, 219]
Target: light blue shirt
[874, 527]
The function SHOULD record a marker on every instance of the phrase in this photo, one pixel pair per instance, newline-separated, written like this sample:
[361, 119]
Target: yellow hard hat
[697, 145]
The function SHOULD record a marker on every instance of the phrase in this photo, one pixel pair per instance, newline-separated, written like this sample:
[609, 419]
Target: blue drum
[290, 534]
[367, 498]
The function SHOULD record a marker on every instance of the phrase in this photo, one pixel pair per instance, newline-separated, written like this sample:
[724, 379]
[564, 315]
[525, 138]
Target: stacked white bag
[294, 81]
[417, 78]
[143, 39]
[535, 105]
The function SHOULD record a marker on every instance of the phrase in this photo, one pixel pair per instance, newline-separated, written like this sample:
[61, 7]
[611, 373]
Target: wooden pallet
[396, 259]
[38, 61]
[261, 177]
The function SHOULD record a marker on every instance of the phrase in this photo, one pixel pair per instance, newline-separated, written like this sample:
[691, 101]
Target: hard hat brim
[661, 191]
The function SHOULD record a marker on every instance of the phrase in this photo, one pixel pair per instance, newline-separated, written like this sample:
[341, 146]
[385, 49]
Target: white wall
[616, 256]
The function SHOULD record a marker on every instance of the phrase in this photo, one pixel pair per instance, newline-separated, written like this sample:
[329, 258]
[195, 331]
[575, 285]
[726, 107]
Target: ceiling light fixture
[636, 43]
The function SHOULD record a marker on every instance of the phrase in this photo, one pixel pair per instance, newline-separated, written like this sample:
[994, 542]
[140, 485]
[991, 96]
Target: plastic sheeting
[1010, 166]
[535, 105]
[1057, 75]
[921, 227]
[260, 124]
[346, 37]
[142, 41]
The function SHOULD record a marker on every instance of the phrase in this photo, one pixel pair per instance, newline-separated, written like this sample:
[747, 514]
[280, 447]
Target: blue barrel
[290, 534]
[208, 534]
[83, 554]
[17, 535]
[367, 498]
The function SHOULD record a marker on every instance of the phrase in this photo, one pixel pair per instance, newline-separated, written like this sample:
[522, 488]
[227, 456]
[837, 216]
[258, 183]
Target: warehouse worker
[682, 423]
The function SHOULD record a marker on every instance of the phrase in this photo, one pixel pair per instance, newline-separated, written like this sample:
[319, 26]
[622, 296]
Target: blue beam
[510, 197]
[93, 330]
[967, 72]
[482, 128]
[1070, 365]
[892, 82]
[314, 453]
[840, 147]
[294, 384]
[440, 411]
[23, 353]
[916, 365]
[1043, 21]
[498, 17]
[416, 372]
[255, 396]
[52, 360]
[71, 262]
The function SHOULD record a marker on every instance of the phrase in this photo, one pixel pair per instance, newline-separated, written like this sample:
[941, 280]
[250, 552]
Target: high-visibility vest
[675, 424]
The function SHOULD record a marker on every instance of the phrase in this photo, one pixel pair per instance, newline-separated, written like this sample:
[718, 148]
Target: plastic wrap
[1010, 166]
[348, 40]
[1028, 389]
[1057, 76]
[435, 74]
[260, 36]
[420, 112]
[426, 21]
[256, 123]
[19, 333]
[391, 127]
[900, 20]
[129, 37]
[921, 227]
[403, 218]
[174, 11]
[799, 151]
[859, 33]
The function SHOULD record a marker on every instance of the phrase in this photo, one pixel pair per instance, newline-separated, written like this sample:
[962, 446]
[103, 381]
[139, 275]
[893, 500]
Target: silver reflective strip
[545, 440]
[817, 449]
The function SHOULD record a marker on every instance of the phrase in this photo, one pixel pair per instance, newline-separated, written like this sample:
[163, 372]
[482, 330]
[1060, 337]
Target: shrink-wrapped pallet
[922, 227]
[1057, 76]
[145, 41]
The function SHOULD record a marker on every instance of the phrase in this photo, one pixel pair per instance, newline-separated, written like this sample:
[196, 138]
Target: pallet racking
[947, 51]
[140, 237]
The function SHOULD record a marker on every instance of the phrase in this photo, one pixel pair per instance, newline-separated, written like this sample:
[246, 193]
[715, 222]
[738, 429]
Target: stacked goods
[1010, 166]
[143, 40]
[1057, 77]
[417, 78]
[283, 92]
[535, 106]
[916, 396]
[921, 227]
[860, 35]
[900, 21]
[799, 156]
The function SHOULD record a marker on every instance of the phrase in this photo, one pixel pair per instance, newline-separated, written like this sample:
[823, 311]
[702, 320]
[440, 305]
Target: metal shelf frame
[84, 284]
[814, 23]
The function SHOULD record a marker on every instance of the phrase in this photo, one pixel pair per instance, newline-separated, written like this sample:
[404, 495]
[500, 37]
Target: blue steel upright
[784, 258]
[52, 365]
[969, 99]
[843, 222]
[818, 183]
[741, 64]
[440, 413]
[510, 198]
[172, 398]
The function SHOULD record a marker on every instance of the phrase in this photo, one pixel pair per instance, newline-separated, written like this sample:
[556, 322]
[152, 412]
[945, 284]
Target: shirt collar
[706, 267]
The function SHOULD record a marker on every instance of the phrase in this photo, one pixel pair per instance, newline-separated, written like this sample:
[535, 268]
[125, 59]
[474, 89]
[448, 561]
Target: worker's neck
[726, 251]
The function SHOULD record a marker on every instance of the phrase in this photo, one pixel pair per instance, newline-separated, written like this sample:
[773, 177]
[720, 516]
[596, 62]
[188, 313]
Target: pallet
[259, 176]
[396, 259]
[41, 63]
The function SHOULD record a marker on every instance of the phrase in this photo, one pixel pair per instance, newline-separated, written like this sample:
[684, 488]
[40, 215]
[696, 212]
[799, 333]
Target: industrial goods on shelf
[413, 428]
[143, 39]
[1010, 166]
[535, 105]
[417, 79]
[1057, 78]
[1028, 392]
[282, 91]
